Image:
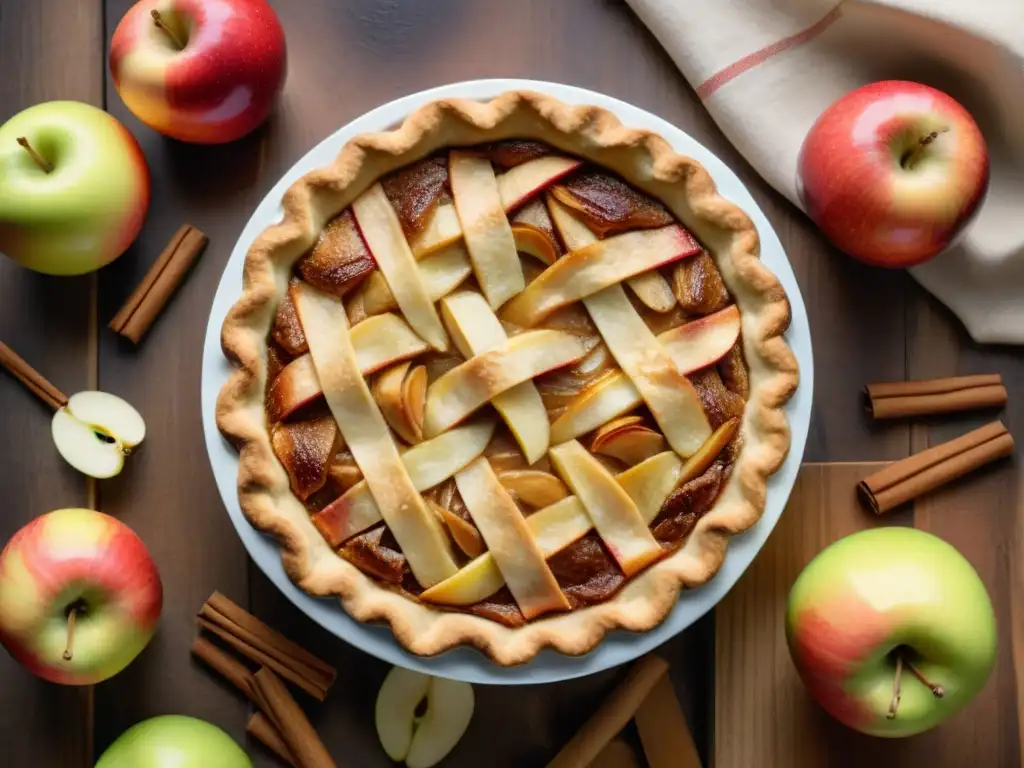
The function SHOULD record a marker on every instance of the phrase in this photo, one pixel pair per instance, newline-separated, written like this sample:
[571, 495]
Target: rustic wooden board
[763, 714]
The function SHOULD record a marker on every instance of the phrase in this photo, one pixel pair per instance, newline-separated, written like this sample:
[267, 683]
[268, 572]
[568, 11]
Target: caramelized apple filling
[564, 434]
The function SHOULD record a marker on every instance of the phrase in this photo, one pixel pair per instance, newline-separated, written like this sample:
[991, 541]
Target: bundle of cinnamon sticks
[279, 722]
[923, 472]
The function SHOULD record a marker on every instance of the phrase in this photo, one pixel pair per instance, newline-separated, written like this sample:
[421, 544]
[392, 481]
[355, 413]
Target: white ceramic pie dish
[466, 663]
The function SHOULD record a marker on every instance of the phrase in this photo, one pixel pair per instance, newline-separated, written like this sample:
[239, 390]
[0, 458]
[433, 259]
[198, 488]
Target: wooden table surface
[346, 57]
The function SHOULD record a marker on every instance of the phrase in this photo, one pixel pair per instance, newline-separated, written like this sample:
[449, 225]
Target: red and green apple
[891, 630]
[203, 71]
[74, 188]
[80, 596]
[174, 741]
[892, 172]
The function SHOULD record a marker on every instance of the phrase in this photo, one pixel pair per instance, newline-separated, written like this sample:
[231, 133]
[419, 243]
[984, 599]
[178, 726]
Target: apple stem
[47, 167]
[937, 690]
[162, 25]
[894, 704]
[911, 155]
[70, 647]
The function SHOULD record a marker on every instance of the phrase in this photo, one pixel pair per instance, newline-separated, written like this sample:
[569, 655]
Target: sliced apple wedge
[441, 273]
[465, 535]
[512, 152]
[428, 464]
[95, 431]
[414, 191]
[556, 527]
[382, 231]
[519, 184]
[340, 259]
[608, 204]
[510, 541]
[287, 330]
[343, 472]
[533, 487]
[488, 236]
[668, 394]
[610, 396]
[475, 329]
[698, 464]
[574, 233]
[468, 386]
[387, 391]
[595, 267]
[414, 400]
[417, 532]
[304, 449]
[653, 290]
[295, 386]
[442, 230]
[535, 242]
[614, 514]
[421, 741]
[702, 342]
[630, 445]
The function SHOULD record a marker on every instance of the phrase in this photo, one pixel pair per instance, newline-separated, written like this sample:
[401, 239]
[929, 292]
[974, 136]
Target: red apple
[892, 630]
[79, 596]
[892, 172]
[205, 71]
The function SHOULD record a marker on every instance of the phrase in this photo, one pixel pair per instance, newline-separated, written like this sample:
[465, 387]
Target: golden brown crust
[645, 160]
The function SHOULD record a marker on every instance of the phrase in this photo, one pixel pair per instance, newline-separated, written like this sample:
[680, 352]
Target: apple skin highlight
[881, 592]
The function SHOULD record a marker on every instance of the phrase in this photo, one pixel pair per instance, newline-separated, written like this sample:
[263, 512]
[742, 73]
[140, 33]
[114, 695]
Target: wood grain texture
[48, 321]
[764, 715]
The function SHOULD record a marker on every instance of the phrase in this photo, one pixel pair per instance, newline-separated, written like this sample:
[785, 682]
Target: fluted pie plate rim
[463, 662]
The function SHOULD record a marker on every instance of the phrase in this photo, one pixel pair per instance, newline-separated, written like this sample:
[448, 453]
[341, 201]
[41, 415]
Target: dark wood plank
[48, 320]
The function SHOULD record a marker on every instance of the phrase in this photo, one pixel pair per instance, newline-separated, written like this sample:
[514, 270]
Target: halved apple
[95, 431]
[533, 487]
[698, 464]
[421, 741]
[304, 449]
[614, 514]
[441, 273]
[595, 267]
[476, 382]
[428, 464]
[510, 541]
[515, 187]
[382, 231]
[668, 394]
[488, 236]
[475, 329]
[340, 259]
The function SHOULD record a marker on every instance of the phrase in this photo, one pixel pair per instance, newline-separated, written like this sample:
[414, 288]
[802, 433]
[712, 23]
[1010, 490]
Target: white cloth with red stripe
[765, 70]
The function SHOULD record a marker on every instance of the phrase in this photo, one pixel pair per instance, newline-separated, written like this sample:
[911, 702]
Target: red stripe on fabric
[752, 60]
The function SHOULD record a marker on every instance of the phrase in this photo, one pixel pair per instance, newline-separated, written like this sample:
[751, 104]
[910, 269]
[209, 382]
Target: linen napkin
[765, 70]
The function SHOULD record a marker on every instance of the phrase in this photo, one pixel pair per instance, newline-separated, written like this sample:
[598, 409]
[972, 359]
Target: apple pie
[509, 375]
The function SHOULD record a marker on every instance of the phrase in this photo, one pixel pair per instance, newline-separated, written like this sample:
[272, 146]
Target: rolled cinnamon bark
[894, 400]
[904, 480]
[296, 731]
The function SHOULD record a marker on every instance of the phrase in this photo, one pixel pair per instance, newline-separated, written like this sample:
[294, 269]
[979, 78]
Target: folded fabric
[765, 70]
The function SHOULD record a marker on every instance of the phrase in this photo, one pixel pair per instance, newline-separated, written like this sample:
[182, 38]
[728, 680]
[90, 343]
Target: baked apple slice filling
[441, 274]
[305, 449]
[414, 191]
[428, 464]
[414, 527]
[475, 329]
[400, 393]
[534, 232]
[510, 541]
[476, 382]
[340, 259]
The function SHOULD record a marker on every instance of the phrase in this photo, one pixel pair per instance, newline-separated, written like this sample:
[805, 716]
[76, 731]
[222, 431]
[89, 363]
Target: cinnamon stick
[613, 714]
[34, 381]
[923, 472]
[664, 733]
[894, 400]
[239, 675]
[291, 722]
[258, 642]
[161, 281]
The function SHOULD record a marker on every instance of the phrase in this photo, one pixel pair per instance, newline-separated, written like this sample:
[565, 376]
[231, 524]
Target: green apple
[74, 188]
[174, 741]
[891, 630]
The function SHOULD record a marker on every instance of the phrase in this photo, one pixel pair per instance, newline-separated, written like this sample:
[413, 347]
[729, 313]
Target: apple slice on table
[614, 514]
[95, 431]
[340, 259]
[556, 527]
[441, 272]
[305, 449]
[510, 541]
[474, 383]
[596, 267]
[421, 741]
[514, 188]
[475, 329]
[691, 346]
[382, 231]
[488, 236]
[428, 464]
[379, 341]
[533, 487]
